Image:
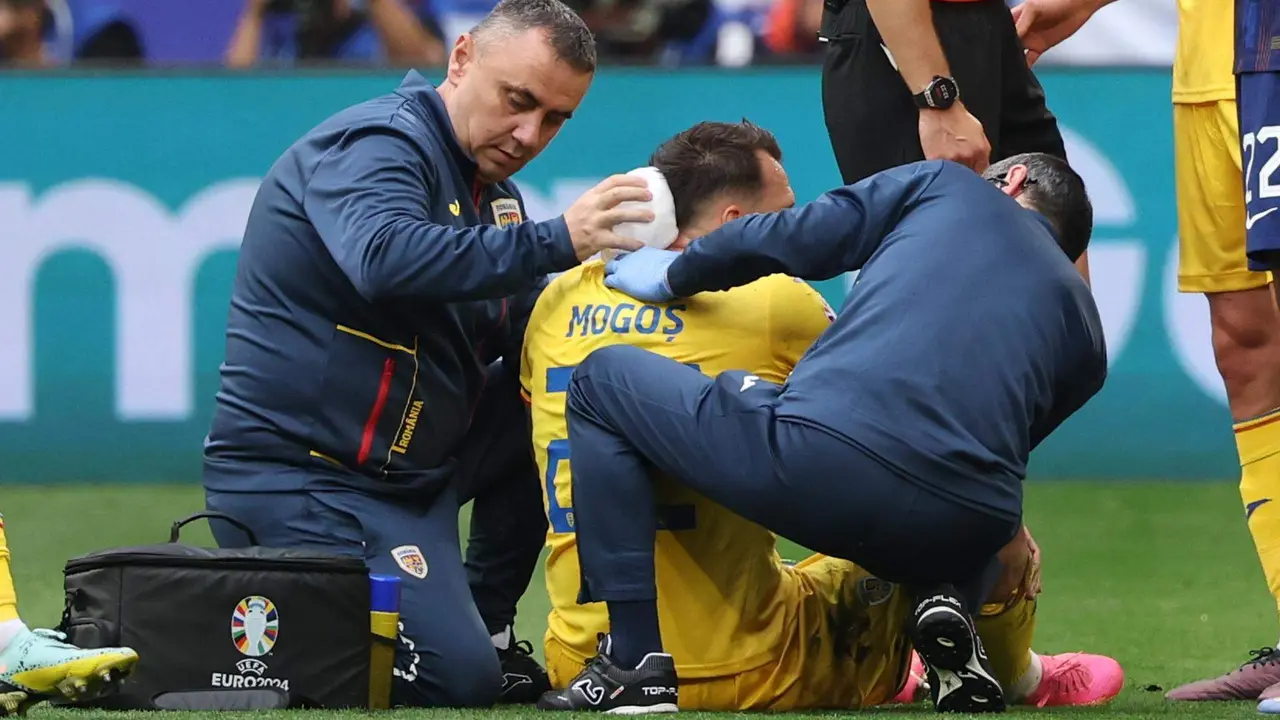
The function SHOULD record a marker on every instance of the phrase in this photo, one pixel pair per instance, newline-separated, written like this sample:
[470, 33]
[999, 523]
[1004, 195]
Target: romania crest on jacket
[506, 212]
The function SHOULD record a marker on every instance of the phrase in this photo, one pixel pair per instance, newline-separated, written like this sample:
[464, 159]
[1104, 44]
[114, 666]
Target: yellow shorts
[847, 649]
[1206, 159]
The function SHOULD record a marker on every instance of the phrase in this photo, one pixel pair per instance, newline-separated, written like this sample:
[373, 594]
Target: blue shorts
[1258, 98]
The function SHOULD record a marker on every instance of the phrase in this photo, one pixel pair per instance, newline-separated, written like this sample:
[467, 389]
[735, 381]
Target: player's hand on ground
[642, 274]
[954, 134]
[1044, 23]
[593, 216]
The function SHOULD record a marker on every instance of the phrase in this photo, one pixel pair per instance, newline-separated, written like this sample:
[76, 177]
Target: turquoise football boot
[38, 665]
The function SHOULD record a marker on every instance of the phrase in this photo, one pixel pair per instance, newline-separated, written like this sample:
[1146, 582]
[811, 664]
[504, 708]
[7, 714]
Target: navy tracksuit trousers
[445, 655]
[630, 410]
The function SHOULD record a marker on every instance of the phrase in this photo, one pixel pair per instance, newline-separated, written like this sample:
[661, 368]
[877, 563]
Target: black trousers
[873, 123]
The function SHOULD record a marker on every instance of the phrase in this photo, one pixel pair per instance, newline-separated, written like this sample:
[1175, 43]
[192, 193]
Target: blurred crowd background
[288, 33]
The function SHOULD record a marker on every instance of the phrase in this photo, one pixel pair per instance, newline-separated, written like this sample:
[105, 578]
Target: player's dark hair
[566, 32]
[1056, 191]
[712, 158]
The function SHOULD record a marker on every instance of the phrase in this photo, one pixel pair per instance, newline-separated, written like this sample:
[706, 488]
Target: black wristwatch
[940, 94]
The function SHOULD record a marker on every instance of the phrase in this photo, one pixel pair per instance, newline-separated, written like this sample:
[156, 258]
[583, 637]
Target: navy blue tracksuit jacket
[895, 374]
[376, 282]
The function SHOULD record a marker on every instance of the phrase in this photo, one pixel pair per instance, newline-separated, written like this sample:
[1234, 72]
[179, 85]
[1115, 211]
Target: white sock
[1029, 682]
[9, 630]
[502, 640]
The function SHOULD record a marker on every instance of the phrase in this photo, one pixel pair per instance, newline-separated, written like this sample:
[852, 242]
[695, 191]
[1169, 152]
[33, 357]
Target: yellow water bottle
[384, 622]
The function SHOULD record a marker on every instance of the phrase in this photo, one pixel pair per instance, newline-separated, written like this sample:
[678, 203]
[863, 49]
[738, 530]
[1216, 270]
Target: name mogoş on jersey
[623, 318]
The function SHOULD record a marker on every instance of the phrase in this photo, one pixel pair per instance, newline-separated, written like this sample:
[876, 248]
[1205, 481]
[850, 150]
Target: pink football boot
[1246, 682]
[1073, 679]
[915, 686]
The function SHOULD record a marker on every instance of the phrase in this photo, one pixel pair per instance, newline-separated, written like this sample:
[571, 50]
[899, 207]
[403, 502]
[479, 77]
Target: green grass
[1161, 576]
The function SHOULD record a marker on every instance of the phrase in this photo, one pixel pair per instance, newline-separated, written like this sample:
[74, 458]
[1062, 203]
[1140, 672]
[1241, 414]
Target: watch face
[944, 92]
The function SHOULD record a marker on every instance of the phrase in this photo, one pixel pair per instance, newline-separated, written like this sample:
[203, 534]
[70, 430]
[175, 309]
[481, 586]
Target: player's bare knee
[1246, 337]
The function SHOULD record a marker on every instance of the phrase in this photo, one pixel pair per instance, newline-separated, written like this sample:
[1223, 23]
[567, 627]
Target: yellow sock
[1006, 630]
[1258, 442]
[8, 596]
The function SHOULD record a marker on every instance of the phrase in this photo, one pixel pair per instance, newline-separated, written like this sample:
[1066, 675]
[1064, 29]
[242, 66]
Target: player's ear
[461, 57]
[1015, 181]
[730, 213]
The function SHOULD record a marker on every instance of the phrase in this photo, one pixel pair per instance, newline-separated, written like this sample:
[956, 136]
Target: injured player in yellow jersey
[747, 630]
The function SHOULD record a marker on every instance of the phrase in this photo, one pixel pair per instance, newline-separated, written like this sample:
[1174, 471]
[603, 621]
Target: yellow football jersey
[1203, 63]
[725, 601]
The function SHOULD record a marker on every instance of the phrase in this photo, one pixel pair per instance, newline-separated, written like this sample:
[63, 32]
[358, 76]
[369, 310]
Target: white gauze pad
[662, 231]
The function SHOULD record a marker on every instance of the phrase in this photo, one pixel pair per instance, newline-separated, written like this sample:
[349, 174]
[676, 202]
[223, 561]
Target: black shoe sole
[943, 638]
[945, 642]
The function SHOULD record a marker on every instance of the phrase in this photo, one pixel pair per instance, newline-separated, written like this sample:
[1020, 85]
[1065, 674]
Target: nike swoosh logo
[1248, 509]
[1249, 221]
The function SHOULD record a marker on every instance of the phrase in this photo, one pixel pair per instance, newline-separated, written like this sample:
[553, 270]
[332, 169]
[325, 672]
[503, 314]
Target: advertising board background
[122, 201]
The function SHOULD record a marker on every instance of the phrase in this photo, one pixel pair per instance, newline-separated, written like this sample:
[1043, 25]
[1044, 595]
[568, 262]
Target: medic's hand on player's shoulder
[642, 274]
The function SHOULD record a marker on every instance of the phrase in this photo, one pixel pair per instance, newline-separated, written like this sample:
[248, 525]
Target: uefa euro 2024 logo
[255, 625]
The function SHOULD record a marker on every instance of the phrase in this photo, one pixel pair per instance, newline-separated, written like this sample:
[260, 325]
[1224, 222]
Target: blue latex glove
[642, 274]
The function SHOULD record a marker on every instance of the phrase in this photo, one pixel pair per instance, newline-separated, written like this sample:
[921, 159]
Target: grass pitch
[1161, 576]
